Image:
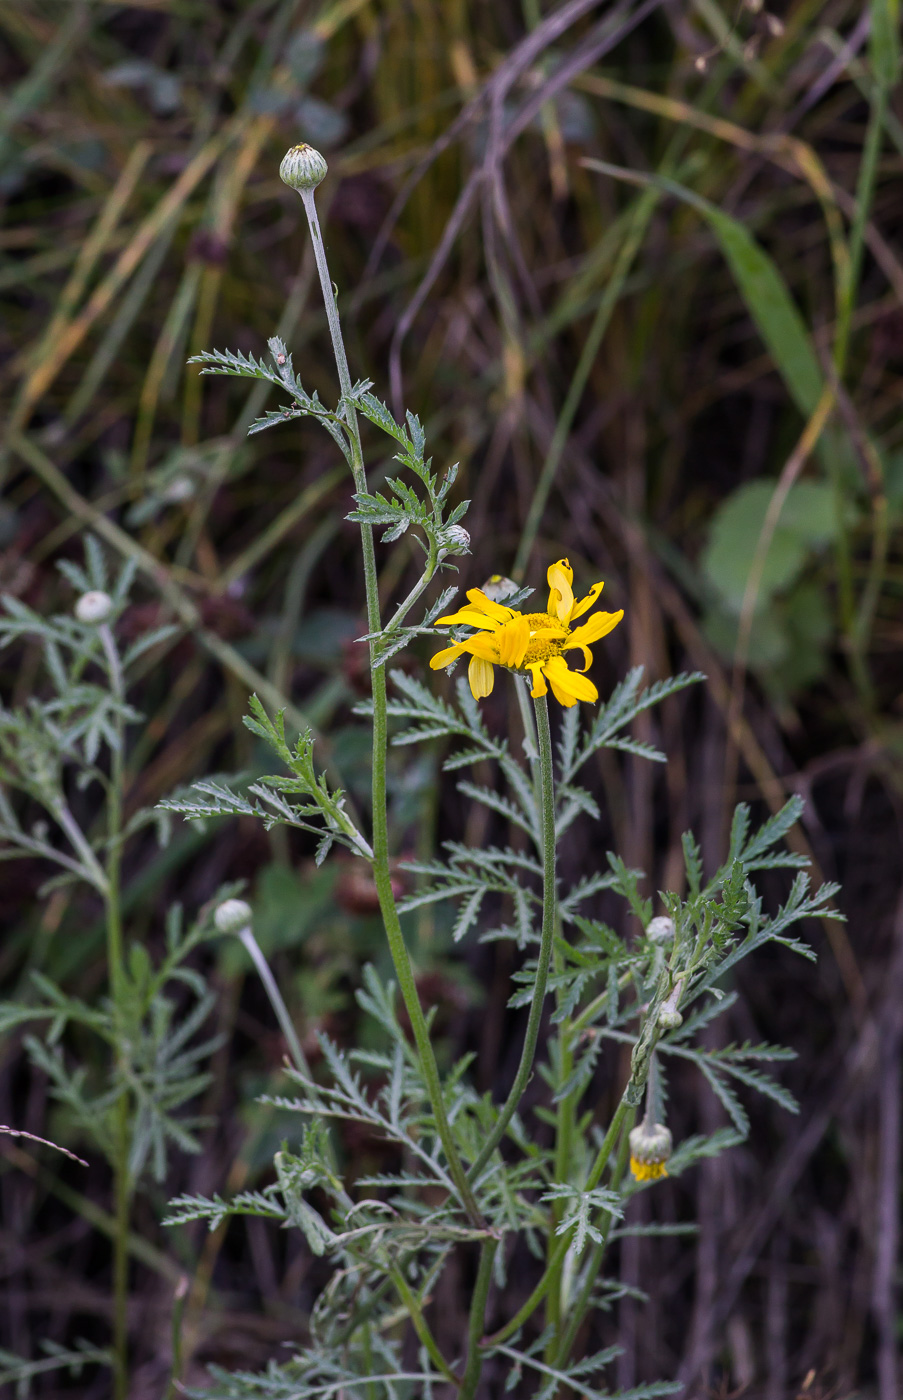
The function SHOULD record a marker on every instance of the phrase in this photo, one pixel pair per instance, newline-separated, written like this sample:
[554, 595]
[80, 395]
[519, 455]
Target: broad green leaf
[807, 523]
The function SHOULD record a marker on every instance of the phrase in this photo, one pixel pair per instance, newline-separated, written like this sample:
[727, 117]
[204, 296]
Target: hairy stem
[280, 1009]
[381, 872]
[547, 800]
[471, 1378]
[116, 974]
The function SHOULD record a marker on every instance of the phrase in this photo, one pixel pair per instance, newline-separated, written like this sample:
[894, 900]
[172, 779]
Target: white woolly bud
[233, 916]
[650, 1148]
[302, 168]
[94, 607]
[660, 929]
[455, 540]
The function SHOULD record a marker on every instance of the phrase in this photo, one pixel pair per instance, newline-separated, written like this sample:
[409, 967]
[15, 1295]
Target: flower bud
[669, 1018]
[650, 1148]
[497, 587]
[302, 168]
[233, 916]
[94, 607]
[660, 929]
[455, 540]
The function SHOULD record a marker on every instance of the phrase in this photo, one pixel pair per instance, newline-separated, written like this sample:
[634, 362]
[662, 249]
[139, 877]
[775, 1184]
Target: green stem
[271, 987]
[420, 1324]
[471, 1378]
[419, 588]
[521, 1079]
[621, 1112]
[865, 189]
[116, 974]
[381, 872]
[564, 1133]
[525, 1312]
[581, 1303]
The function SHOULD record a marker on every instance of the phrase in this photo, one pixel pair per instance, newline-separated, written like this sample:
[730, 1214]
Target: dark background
[144, 221]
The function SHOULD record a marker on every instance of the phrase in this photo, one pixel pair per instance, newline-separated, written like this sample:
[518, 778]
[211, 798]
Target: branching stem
[381, 872]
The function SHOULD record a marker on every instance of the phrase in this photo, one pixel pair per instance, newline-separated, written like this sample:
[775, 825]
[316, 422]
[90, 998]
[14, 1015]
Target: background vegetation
[541, 219]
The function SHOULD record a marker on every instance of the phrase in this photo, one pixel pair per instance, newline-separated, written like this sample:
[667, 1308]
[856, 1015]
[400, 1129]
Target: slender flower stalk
[122, 1185]
[547, 819]
[474, 1364]
[381, 872]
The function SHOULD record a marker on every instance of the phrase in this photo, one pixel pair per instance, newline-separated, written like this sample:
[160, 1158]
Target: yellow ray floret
[647, 1171]
[533, 642]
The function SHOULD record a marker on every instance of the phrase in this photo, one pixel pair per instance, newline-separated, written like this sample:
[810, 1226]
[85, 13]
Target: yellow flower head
[531, 642]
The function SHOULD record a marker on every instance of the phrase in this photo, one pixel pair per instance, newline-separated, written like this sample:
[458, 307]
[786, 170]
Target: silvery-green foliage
[72, 734]
[271, 798]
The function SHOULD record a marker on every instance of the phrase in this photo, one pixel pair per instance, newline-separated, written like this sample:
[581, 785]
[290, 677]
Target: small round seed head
[455, 540]
[232, 916]
[660, 929]
[669, 1018]
[302, 168]
[650, 1148]
[94, 607]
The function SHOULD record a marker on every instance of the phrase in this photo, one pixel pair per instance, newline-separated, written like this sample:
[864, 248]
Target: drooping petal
[599, 625]
[486, 605]
[513, 640]
[565, 682]
[539, 681]
[481, 676]
[447, 656]
[586, 603]
[561, 597]
[471, 617]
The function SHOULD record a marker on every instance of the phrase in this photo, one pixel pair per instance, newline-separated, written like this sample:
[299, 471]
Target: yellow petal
[539, 682]
[481, 677]
[447, 656]
[599, 625]
[586, 603]
[471, 617]
[561, 596]
[568, 683]
[481, 644]
[513, 641]
[486, 605]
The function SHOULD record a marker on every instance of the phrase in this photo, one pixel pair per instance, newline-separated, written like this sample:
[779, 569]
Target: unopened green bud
[669, 1018]
[94, 607]
[233, 916]
[302, 168]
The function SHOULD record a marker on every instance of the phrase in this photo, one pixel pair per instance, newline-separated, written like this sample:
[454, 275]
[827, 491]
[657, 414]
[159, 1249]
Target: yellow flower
[531, 641]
